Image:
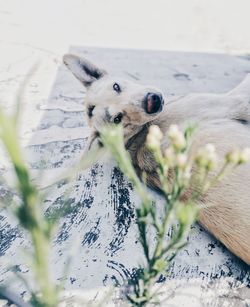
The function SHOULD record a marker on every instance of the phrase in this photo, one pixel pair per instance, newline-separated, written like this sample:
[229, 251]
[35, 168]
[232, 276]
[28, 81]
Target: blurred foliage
[30, 216]
[175, 168]
[28, 210]
[178, 213]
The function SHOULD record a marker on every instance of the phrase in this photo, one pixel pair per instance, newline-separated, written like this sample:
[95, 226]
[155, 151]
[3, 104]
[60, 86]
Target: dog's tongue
[149, 106]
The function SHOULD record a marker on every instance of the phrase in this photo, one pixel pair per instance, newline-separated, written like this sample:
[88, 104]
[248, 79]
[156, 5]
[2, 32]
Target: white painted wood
[101, 227]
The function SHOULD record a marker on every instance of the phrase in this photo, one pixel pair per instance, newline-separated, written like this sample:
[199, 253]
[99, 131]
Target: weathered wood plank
[101, 224]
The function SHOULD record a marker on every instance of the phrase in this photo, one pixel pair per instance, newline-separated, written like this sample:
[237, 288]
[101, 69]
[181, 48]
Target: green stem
[41, 251]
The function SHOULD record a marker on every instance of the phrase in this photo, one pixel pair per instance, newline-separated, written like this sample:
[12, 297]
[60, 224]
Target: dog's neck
[137, 138]
[164, 120]
[172, 114]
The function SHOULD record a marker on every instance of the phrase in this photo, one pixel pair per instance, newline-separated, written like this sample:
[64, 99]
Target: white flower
[210, 148]
[181, 160]
[154, 137]
[244, 155]
[236, 156]
[155, 131]
[169, 156]
[176, 137]
[152, 142]
[200, 158]
[187, 173]
[186, 176]
[206, 157]
[173, 131]
[233, 156]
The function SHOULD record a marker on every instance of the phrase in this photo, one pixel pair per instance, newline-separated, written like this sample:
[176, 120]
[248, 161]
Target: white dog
[222, 120]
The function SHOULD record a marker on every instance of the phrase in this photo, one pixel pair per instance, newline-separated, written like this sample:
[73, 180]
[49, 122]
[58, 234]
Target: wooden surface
[100, 230]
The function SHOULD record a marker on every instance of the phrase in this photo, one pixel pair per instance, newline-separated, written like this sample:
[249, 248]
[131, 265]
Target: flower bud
[206, 157]
[210, 149]
[152, 142]
[173, 131]
[154, 137]
[186, 176]
[176, 137]
[187, 173]
[200, 159]
[233, 156]
[181, 160]
[180, 142]
[212, 162]
[155, 131]
[244, 156]
[169, 156]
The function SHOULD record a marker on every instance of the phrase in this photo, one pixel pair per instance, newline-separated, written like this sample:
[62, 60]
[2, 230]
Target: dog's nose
[153, 103]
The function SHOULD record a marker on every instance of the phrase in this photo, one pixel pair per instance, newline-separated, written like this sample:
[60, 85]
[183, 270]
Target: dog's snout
[153, 103]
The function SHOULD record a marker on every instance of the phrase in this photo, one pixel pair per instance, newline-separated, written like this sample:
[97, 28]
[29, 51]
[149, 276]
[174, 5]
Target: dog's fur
[222, 120]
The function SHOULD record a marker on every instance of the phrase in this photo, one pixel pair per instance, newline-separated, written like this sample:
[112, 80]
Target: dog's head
[111, 100]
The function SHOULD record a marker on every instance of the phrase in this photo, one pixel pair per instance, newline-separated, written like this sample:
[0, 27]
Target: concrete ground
[182, 46]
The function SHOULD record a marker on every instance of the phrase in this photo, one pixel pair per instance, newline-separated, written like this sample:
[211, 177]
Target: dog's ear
[82, 69]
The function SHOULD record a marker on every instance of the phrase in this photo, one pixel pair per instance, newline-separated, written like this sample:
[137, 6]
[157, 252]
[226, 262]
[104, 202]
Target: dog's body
[221, 118]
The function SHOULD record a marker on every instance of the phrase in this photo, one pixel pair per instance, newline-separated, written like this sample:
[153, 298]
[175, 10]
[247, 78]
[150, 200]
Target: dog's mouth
[153, 103]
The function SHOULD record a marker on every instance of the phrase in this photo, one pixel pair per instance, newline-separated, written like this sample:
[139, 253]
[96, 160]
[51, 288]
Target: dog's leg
[223, 224]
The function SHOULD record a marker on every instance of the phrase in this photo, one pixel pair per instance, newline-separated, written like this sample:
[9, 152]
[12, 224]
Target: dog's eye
[90, 111]
[118, 118]
[116, 87]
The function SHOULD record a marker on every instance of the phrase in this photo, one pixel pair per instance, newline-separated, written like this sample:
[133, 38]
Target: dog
[222, 120]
